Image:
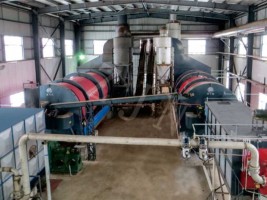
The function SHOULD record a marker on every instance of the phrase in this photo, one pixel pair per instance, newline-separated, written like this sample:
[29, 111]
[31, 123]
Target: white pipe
[47, 172]
[84, 139]
[16, 180]
[253, 166]
[258, 26]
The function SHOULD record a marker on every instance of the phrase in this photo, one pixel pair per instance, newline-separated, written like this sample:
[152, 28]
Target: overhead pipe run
[253, 27]
[254, 168]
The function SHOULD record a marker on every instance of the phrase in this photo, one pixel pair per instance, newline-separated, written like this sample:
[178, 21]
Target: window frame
[67, 45]
[46, 44]
[6, 57]
[262, 45]
[241, 92]
[242, 46]
[262, 99]
[94, 45]
[204, 50]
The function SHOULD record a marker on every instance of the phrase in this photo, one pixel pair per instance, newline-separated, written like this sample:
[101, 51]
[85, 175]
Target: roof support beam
[86, 5]
[152, 15]
[231, 58]
[36, 47]
[77, 43]
[153, 10]
[251, 18]
[145, 8]
[62, 46]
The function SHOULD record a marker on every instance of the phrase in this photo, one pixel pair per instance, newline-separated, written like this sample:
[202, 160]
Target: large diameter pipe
[253, 166]
[253, 27]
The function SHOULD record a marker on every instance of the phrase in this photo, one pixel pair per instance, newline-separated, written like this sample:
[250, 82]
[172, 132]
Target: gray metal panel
[24, 17]
[45, 20]
[261, 14]
[28, 54]
[9, 13]
[232, 113]
[16, 29]
[69, 35]
[54, 21]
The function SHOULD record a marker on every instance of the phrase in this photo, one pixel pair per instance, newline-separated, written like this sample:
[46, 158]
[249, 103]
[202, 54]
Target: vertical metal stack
[122, 59]
[14, 123]
[163, 70]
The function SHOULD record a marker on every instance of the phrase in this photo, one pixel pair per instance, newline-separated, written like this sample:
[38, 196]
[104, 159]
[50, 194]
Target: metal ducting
[254, 27]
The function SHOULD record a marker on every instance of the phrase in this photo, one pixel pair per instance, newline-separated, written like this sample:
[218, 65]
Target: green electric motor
[64, 158]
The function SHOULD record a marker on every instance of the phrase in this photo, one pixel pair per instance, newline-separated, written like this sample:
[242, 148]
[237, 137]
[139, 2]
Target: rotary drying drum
[75, 87]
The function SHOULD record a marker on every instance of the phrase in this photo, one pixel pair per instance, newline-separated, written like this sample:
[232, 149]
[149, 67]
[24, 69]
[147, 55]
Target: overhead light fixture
[81, 57]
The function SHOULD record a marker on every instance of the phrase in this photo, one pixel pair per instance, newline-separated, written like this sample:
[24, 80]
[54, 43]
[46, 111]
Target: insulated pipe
[47, 172]
[16, 180]
[253, 166]
[122, 19]
[257, 26]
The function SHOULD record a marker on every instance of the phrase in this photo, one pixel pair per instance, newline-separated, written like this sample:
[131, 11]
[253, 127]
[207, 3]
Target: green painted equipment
[64, 158]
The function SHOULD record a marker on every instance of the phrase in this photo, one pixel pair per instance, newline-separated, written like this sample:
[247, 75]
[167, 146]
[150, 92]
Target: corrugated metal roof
[74, 8]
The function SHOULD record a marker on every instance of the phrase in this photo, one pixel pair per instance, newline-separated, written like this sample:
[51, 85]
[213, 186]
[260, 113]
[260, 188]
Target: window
[68, 47]
[240, 92]
[242, 46]
[196, 46]
[17, 100]
[264, 46]
[13, 48]
[262, 101]
[48, 48]
[98, 46]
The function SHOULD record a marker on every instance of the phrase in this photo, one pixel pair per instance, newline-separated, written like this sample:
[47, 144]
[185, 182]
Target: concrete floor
[136, 172]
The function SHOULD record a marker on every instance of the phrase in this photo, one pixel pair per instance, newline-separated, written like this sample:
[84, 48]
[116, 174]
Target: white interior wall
[17, 22]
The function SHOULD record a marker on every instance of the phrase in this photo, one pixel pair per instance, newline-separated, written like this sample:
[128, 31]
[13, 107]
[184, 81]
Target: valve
[186, 148]
[203, 149]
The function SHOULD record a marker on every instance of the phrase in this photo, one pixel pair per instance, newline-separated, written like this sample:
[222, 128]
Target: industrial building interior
[133, 99]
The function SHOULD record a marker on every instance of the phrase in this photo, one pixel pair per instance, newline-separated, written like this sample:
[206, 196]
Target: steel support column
[77, 42]
[36, 47]
[231, 57]
[62, 46]
[220, 61]
[251, 18]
